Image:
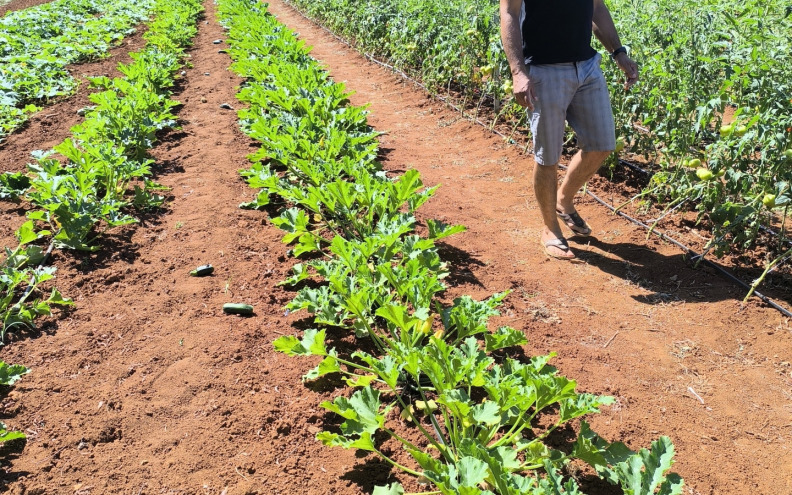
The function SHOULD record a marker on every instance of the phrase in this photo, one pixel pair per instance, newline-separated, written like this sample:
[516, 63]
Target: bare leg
[545, 179]
[581, 168]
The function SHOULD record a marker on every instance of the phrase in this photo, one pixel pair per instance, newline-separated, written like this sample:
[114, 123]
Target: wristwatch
[621, 49]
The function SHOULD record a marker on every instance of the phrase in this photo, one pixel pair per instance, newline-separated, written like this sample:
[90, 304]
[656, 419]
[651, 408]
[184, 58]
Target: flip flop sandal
[575, 223]
[559, 243]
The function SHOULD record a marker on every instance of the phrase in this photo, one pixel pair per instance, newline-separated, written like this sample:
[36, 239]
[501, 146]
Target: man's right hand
[524, 91]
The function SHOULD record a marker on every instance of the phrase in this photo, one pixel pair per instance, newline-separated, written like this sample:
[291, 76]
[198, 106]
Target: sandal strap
[573, 217]
[558, 242]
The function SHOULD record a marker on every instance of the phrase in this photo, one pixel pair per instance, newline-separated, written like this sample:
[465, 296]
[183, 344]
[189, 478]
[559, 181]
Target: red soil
[146, 387]
[20, 5]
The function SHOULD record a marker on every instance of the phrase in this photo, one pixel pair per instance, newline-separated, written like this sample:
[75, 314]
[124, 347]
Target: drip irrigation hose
[635, 167]
[694, 255]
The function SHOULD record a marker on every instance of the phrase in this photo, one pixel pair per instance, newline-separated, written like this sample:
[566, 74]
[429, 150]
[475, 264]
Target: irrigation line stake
[694, 256]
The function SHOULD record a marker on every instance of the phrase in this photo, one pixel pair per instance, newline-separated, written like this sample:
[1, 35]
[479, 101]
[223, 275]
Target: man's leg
[581, 168]
[545, 180]
[555, 86]
[591, 116]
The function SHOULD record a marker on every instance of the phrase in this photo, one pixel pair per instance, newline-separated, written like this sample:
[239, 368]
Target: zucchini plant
[478, 415]
[10, 374]
[39, 42]
[89, 190]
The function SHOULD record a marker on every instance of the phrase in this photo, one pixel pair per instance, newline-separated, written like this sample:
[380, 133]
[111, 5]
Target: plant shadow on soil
[9, 452]
[115, 246]
[369, 474]
[48, 327]
[15, 208]
[563, 439]
[382, 156]
[460, 264]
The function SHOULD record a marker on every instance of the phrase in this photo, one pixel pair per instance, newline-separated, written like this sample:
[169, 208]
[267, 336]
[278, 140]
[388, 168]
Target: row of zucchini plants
[87, 191]
[36, 45]
[712, 114]
[425, 375]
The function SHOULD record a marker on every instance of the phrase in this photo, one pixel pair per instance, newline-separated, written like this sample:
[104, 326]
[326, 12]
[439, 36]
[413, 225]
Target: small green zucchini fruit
[238, 309]
[202, 271]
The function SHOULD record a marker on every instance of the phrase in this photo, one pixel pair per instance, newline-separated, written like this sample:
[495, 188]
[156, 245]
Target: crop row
[472, 421]
[86, 192]
[712, 111]
[36, 45]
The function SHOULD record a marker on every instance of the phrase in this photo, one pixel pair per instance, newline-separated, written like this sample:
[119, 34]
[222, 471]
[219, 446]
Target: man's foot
[574, 222]
[557, 247]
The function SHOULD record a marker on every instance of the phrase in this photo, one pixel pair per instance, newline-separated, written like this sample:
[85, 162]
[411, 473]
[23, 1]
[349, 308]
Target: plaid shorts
[575, 92]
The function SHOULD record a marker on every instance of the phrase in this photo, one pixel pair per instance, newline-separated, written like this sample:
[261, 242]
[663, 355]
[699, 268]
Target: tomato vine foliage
[479, 417]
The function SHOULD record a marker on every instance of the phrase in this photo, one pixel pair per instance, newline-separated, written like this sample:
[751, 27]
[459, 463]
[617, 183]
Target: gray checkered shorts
[575, 92]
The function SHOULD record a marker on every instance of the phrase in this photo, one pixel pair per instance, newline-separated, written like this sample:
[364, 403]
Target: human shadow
[669, 278]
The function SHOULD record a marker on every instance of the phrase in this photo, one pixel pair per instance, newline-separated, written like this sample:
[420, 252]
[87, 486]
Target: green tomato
[704, 173]
[769, 200]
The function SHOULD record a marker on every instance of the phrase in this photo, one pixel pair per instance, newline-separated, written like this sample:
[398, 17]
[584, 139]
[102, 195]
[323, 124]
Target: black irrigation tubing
[694, 255]
[635, 167]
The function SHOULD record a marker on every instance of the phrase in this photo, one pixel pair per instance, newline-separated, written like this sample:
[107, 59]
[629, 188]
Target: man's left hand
[629, 68]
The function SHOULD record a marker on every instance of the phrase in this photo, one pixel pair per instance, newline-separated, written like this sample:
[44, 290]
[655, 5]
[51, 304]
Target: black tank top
[557, 31]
